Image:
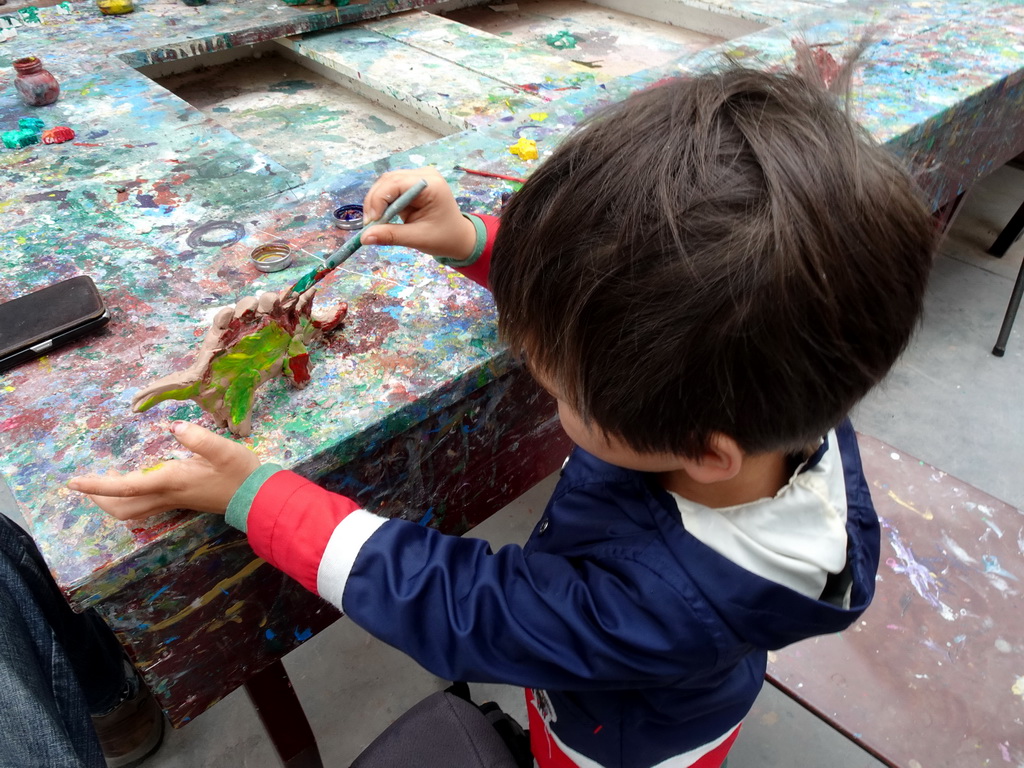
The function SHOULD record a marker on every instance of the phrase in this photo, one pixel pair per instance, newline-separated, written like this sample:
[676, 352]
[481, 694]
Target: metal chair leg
[1009, 234]
[1011, 312]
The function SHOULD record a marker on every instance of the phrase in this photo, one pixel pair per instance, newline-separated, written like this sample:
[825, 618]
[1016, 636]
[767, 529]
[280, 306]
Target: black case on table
[33, 324]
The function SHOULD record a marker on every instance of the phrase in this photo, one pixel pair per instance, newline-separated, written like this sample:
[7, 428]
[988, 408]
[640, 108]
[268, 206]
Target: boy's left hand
[204, 482]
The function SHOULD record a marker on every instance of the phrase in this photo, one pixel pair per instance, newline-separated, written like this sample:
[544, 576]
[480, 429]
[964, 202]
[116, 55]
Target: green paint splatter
[561, 39]
[182, 393]
[377, 125]
[291, 87]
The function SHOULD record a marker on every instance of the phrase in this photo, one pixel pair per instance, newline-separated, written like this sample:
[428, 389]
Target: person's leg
[57, 667]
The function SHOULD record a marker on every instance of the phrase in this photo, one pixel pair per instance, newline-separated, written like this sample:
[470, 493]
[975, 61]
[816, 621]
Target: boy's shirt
[796, 541]
[641, 645]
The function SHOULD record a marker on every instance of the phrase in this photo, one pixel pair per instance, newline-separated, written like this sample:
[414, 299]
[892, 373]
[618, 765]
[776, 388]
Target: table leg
[280, 711]
[947, 213]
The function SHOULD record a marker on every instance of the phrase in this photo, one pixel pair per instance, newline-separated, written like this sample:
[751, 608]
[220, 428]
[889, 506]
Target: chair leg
[1011, 312]
[1009, 234]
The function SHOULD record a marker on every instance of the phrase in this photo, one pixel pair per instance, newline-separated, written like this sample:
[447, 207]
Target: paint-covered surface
[162, 206]
[314, 127]
[610, 45]
[939, 649]
[432, 89]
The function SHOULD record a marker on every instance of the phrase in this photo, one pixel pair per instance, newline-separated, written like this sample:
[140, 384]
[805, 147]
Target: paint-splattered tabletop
[931, 674]
[161, 205]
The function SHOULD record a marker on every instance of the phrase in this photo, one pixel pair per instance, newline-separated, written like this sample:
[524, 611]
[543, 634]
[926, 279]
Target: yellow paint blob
[526, 149]
[115, 7]
[539, 116]
[1018, 687]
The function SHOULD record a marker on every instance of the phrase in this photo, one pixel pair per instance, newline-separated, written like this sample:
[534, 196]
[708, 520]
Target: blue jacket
[647, 642]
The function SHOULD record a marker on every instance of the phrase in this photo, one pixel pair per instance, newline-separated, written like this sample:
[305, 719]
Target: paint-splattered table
[931, 675]
[414, 409]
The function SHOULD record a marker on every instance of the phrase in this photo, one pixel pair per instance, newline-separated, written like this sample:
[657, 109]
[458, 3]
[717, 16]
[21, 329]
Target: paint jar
[349, 217]
[272, 257]
[194, 3]
[35, 85]
[115, 7]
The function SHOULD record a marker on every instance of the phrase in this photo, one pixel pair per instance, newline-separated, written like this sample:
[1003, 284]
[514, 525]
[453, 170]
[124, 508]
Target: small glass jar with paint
[194, 3]
[34, 84]
[115, 7]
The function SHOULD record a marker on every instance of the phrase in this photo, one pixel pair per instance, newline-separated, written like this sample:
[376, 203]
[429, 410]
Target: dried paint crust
[247, 345]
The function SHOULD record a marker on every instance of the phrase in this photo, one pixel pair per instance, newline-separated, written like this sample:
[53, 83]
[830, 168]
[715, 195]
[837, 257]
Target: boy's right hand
[433, 222]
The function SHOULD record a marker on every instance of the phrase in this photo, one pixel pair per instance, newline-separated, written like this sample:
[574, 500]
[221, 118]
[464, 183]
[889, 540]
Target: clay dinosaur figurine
[247, 345]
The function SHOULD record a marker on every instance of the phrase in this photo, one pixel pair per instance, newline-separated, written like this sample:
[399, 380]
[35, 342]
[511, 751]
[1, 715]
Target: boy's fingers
[383, 234]
[392, 184]
[384, 192]
[125, 508]
[123, 486]
[202, 442]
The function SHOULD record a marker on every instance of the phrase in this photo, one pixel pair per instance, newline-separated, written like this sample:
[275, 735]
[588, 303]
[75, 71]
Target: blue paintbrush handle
[351, 245]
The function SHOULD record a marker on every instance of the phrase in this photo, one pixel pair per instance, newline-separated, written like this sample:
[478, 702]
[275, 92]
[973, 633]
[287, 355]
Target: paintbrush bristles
[353, 243]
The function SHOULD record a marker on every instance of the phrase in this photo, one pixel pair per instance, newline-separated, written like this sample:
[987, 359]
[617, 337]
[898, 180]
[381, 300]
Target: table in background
[931, 675]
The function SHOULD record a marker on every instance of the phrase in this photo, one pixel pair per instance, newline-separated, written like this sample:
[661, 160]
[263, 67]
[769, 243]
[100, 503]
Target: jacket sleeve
[478, 269]
[467, 613]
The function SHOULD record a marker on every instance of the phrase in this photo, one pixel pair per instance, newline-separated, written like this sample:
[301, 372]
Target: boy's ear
[722, 461]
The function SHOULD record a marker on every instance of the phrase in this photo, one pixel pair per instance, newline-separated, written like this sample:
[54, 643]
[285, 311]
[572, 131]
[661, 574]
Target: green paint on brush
[354, 242]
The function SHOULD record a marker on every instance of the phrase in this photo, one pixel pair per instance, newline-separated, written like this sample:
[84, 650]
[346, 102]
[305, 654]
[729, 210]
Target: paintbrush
[490, 174]
[351, 245]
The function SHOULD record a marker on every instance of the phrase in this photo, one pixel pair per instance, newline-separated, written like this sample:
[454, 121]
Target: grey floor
[949, 402]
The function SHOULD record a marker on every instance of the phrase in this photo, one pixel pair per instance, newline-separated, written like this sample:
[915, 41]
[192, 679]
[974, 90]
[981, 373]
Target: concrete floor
[948, 402]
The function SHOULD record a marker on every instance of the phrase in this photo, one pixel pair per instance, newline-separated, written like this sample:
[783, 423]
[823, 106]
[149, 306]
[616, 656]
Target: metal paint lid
[348, 216]
[272, 257]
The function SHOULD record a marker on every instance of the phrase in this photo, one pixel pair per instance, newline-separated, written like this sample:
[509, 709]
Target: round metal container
[348, 216]
[272, 257]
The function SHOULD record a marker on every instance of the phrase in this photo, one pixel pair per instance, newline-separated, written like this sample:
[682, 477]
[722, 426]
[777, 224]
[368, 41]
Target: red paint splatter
[299, 366]
[30, 421]
[814, 56]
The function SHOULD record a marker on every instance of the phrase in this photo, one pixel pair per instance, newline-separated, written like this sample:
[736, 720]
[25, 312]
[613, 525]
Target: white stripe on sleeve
[341, 552]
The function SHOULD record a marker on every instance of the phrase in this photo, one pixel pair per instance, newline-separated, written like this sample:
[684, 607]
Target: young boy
[707, 277]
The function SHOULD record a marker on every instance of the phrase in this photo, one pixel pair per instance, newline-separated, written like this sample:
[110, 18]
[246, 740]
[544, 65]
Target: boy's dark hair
[725, 253]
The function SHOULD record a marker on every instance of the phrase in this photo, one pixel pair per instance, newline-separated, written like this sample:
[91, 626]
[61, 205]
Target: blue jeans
[56, 666]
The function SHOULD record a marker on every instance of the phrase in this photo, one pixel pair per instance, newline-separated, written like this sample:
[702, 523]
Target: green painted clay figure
[247, 346]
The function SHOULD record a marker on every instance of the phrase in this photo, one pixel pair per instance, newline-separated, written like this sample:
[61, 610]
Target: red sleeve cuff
[290, 523]
[479, 270]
